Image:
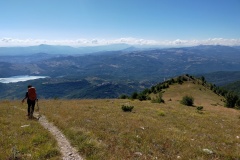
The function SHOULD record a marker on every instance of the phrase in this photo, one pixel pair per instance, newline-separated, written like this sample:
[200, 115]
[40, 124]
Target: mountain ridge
[59, 49]
[120, 67]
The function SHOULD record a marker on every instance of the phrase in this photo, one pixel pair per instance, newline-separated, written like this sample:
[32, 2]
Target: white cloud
[94, 41]
[129, 40]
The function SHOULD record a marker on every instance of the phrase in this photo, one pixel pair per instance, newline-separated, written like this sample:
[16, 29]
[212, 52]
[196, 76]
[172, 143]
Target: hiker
[31, 97]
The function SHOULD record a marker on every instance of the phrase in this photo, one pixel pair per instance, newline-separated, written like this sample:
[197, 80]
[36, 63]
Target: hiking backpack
[32, 95]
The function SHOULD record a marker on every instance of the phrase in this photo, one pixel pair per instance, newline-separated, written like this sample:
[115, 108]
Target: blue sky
[86, 22]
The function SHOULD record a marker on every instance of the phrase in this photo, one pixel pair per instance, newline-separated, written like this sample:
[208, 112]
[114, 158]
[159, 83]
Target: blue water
[22, 78]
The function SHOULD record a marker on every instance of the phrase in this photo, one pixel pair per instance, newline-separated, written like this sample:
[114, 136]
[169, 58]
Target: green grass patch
[161, 113]
[22, 138]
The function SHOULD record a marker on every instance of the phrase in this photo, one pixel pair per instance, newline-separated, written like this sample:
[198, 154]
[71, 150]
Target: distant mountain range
[120, 70]
[59, 50]
[138, 64]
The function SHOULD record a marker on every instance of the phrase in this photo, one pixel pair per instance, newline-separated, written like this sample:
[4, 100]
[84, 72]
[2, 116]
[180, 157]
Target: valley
[108, 74]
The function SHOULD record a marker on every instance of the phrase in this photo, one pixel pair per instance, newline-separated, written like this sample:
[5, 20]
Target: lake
[22, 78]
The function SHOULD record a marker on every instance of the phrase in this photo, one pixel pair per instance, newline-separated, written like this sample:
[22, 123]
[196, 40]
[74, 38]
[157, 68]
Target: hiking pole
[37, 109]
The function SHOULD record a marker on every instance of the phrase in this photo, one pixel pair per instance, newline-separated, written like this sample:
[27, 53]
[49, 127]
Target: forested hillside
[235, 87]
[109, 74]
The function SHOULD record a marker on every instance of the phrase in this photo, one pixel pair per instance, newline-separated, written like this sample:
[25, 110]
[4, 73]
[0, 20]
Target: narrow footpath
[68, 152]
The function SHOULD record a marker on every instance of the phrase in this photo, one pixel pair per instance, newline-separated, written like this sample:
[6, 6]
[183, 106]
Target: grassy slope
[202, 96]
[100, 130]
[30, 142]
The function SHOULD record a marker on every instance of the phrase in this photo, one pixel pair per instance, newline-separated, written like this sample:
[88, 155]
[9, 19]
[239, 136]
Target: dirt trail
[68, 152]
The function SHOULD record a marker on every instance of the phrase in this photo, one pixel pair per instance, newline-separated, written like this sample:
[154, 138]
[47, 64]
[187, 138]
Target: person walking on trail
[31, 97]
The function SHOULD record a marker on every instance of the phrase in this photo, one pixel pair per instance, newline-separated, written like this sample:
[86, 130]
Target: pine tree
[231, 100]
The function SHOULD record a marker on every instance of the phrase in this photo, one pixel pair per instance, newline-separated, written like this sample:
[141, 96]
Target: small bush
[149, 98]
[231, 99]
[180, 80]
[123, 96]
[134, 95]
[238, 104]
[158, 99]
[127, 108]
[187, 100]
[142, 97]
[199, 108]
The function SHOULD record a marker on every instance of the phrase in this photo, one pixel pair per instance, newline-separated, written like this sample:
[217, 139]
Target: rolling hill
[112, 73]
[151, 63]
[99, 129]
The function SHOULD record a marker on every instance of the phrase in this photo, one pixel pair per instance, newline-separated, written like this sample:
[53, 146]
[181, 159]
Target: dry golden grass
[202, 96]
[101, 130]
[22, 138]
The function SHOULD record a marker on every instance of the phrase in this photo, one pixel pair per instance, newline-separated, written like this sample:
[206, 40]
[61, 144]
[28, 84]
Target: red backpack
[32, 95]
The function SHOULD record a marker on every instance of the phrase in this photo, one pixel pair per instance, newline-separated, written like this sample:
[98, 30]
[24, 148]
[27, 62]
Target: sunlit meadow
[99, 129]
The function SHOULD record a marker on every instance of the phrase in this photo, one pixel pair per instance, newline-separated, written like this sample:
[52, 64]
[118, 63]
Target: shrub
[134, 95]
[199, 108]
[238, 104]
[142, 97]
[146, 91]
[172, 81]
[148, 98]
[231, 99]
[152, 89]
[180, 80]
[127, 108]
[123, 96]
[158, 99]
[203, 80]
[187, 100]
[165, 86]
